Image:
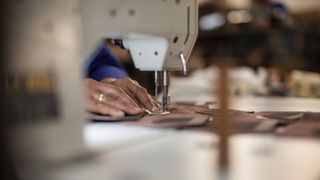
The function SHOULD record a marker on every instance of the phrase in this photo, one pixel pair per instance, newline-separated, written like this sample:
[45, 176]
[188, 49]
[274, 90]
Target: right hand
[114, 102]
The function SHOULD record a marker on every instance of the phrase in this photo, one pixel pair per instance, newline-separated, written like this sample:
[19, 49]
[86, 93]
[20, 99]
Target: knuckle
[131, 81]
[113, 89]
[126, 79]
[142, 90]
[123, 80]
[135, 82]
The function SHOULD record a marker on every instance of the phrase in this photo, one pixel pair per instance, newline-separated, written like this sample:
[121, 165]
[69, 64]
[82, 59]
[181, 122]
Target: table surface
[200, 87]
[258, 103]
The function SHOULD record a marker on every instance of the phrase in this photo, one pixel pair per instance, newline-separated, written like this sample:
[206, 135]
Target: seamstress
[109, 89]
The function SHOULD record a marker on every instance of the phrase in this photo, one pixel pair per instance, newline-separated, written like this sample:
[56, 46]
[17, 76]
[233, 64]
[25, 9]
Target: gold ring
[100, 97]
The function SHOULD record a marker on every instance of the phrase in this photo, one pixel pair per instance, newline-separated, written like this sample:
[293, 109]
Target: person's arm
[105, 65]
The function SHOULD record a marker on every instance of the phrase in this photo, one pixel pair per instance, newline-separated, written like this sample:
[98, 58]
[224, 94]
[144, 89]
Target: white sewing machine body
[155, 32]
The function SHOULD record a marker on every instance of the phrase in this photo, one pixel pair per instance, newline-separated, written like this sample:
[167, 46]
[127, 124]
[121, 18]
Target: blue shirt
[105, 65]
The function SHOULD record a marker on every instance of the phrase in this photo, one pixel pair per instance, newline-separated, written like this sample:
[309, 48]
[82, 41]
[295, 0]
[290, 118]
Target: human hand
[136, 92]
[108, 99]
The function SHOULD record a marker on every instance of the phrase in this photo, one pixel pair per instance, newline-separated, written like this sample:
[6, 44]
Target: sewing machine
[159, 35]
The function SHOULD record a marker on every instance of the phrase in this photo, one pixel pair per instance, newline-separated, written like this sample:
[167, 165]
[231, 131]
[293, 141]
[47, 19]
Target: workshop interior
[236, 82]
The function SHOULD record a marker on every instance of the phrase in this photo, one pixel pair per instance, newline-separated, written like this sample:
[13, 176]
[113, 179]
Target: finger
[117, 92]
[142, 95]
[101, 108]
[117, 103]
[156, 104]
[133, 97]
[119, 99]
[93, 93]
[123, 84]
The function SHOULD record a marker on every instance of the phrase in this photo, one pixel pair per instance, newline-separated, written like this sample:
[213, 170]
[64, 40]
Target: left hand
[135, 91]
[114, 101]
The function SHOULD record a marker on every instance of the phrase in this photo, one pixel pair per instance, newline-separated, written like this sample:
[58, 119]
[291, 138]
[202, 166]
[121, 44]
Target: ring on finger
[101, 97]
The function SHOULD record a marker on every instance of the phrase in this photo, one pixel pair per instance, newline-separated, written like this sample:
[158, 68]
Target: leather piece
[180, 116]
[201, 118]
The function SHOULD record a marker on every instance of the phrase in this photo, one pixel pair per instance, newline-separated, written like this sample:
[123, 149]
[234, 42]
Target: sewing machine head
[158, 34]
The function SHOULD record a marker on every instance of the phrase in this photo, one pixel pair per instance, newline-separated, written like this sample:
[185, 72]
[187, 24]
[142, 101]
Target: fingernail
[147, 111]
[155, 108]
[119, 114]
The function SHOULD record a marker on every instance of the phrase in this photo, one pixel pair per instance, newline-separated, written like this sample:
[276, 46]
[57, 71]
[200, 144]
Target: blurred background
[272, 49]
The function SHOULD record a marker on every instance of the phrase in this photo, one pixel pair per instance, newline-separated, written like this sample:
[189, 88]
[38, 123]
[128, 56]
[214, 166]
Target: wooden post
[224, 119]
